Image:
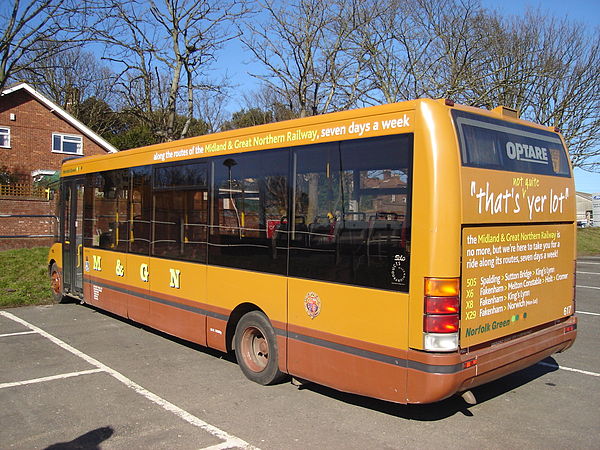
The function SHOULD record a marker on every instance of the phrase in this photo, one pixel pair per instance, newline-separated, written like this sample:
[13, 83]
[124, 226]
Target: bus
[407, 252]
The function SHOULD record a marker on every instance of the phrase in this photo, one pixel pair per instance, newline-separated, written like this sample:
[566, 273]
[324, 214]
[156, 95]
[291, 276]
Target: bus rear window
[495, 144]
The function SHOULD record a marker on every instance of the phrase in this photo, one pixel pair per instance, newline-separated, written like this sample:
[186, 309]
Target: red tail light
[442, 305]
[447, 323]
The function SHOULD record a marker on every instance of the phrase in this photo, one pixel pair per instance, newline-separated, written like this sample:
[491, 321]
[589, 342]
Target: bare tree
[164, 50]
[70, 77]
[549, 69]
[31, 25]
[416, 48]
[303, 46]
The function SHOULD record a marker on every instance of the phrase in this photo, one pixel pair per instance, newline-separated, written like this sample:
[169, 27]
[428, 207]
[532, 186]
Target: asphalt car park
[75, 377]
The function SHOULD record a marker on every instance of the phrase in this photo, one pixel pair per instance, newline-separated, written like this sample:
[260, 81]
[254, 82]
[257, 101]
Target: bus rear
[514, 301]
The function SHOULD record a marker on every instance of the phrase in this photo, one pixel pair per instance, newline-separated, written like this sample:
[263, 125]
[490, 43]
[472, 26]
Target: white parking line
[570, 369]
[589, 273]
[587, 262]
[585, 312]
[587, 287]
[50, 378]
[230, 440]
[20, 333]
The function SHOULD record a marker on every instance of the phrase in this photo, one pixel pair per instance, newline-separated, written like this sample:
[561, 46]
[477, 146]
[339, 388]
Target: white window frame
[71, 138]
[5, 131]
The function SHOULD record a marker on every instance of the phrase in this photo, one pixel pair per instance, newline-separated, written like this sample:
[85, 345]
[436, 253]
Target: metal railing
[24, 192]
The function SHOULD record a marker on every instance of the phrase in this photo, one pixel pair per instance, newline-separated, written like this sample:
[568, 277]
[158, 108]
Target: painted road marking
[587, 262]
[51, 378]
[585, 312]
[230, 440]
[570, 369]
[589, 273]
[20, 333]
[587, 287]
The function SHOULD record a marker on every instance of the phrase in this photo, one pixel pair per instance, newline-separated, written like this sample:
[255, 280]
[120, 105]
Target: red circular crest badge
[312, 305]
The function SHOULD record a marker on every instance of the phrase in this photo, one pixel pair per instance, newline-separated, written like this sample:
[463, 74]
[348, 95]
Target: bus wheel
[256, 349]
[56, 284]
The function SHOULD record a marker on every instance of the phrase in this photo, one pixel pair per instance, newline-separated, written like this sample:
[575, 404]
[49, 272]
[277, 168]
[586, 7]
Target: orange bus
[406, 252]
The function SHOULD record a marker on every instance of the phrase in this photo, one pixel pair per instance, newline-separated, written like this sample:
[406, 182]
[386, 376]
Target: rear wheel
[256, 349]
[56, 284]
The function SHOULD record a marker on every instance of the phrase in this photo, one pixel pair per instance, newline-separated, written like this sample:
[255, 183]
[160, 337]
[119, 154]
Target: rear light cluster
[441, 314]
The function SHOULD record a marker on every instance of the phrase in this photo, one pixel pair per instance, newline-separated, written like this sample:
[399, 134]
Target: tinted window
[352, 212]
[495, 144]
[180, 211]
[180, 176]
[140, 213]
[106, 223]
[249, 228]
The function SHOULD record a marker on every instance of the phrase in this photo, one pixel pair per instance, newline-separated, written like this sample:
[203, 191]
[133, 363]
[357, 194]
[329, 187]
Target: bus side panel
[350, 338]
[229, 288]
[177, 293]
[137, 273]
[104, 282]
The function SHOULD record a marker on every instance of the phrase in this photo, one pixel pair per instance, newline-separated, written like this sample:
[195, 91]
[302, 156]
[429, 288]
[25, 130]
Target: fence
[24, 192]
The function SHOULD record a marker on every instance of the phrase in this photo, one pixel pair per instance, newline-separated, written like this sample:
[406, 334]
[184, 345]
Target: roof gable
[53, 107]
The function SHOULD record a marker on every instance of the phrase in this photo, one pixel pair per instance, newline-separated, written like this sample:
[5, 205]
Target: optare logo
[525, 152]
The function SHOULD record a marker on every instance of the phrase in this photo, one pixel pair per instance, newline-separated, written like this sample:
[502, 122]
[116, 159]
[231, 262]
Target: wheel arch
[235, 316]
[50, 263]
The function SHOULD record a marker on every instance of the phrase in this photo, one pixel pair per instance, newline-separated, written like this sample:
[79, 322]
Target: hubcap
[255, 349]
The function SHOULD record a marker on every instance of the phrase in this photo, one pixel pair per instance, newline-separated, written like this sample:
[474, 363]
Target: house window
[5, 137]
[66, 143]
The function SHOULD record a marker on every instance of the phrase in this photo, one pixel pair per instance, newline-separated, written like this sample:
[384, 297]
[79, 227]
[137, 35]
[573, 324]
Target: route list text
[514, 278]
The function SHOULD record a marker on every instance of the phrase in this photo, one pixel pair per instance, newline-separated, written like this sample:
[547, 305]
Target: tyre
[56, 284]
[256, 349]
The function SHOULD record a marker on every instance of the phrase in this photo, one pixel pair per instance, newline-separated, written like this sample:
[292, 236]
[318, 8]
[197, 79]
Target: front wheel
[56, 284]
[256, 349]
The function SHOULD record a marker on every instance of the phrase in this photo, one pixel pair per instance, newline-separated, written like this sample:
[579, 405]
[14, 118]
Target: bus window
[356, 210]
[106, 219]
[490, 143]
[140, 213]
[180, 211]
[250, 208]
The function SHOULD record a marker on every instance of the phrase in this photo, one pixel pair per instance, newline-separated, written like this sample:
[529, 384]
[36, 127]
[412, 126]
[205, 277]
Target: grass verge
[588, 241]
[24, 277]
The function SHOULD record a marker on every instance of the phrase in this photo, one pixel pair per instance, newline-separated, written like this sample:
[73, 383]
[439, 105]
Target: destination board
[514, 278]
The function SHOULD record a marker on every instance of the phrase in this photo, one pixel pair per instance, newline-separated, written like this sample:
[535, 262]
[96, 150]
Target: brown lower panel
[282, 350]
[106, 298]
[138, 309]
[346, 372]
[492, 363]
[169, 319]
[215, 337]
[392, 352]
[178, 322]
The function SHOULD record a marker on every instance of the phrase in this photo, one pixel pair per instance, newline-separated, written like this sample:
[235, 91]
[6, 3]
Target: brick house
[36, 135]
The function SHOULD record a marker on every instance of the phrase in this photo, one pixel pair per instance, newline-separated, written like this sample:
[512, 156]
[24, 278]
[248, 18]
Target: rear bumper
[488, 363]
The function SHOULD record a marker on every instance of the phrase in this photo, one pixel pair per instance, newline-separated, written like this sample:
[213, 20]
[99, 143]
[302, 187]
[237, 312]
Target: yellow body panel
[369, 315]
[55, 254]
[228, 288]
[178, 278]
